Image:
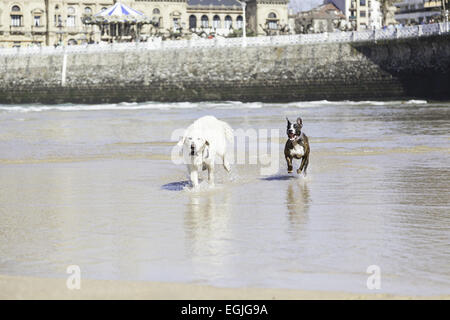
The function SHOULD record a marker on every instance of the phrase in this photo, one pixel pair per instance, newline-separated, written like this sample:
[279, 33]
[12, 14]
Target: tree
[388, 11]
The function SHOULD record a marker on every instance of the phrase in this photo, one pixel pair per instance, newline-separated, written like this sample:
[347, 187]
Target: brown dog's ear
[300, 122]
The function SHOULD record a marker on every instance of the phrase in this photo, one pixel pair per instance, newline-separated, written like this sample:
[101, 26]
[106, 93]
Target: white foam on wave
[416, 102]
[130, 106]
[193, 105]
[322, 103]
[94, 107]
[231, 105]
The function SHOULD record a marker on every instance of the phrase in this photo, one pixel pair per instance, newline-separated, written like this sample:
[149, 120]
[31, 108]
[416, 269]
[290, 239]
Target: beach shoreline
[30, 288]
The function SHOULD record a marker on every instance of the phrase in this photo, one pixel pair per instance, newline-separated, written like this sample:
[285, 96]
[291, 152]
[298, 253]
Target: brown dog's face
[294, 130]
[290, 131]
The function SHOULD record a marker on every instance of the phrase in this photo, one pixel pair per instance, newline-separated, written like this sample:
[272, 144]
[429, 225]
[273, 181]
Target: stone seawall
[390, 69]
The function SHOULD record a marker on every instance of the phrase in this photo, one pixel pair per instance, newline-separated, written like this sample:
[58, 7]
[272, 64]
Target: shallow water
[95, 186]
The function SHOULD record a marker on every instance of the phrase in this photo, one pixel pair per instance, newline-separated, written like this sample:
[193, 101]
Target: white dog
[202, 141]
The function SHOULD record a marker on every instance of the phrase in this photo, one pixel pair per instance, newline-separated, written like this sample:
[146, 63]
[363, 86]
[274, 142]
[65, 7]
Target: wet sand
[39, 288]
[96, 188]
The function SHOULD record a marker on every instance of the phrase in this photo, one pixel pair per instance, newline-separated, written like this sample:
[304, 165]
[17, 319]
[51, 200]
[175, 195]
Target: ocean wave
[131, 106]
[193, 105]
[416, 102]
[321, 103]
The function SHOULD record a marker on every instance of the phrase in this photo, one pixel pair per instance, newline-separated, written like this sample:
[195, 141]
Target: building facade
[264, 15]
[324, 18]
[54, 22]
[362, 14]
[419, 11]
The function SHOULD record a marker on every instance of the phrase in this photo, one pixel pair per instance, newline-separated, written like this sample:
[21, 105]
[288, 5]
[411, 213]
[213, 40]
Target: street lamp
[445, 15]
[244, 27]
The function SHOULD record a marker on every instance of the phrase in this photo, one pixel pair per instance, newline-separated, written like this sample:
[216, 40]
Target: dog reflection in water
[297, 202]
[207, 221]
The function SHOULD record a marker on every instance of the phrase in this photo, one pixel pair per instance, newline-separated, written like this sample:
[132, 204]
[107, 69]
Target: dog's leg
[304, 164]
[289, 164]
[226, 164]
[299, 170]
[194, 177]
[211, 174]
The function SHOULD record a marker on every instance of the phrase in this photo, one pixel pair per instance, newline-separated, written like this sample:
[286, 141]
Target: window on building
[157, 18]
[176, 23]
[228, 22]
[205, 22]
[272, 21]
[16, 20]
[58, 20]
[37, 21]
[87, 10]
[192, 22]
[239, 22]
[71, 21]
[71, 18]
[362, 2]
[272, 25]
[216, 21]
[362, 14]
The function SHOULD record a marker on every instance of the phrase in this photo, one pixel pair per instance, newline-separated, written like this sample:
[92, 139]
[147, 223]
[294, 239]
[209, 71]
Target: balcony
[17, 29]
[432, 4]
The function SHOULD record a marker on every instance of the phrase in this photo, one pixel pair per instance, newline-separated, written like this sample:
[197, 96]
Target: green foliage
[237, 33]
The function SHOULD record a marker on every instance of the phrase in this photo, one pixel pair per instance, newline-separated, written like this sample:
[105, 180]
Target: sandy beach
[40, 288]
[95, 186]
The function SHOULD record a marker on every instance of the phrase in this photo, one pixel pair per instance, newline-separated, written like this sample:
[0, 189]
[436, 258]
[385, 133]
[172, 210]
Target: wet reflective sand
[97, 188]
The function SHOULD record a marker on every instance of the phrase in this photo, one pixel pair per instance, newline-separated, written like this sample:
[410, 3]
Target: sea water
[96, 186]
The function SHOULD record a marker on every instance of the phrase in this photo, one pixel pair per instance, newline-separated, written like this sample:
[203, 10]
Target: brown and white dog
[297, 146]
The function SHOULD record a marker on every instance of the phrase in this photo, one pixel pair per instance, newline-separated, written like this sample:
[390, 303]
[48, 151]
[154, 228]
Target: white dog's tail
[229, 134]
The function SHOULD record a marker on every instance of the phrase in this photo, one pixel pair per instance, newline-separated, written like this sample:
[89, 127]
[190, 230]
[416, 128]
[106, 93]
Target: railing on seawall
[158, 44]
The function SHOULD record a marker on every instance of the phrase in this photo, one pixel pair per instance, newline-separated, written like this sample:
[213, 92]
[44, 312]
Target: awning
[118, 13]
